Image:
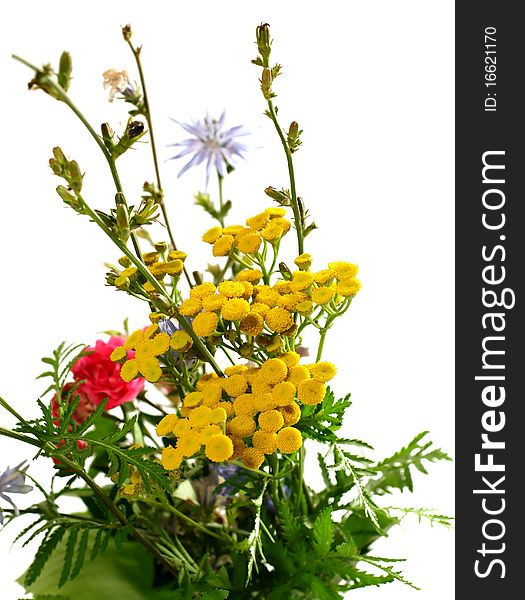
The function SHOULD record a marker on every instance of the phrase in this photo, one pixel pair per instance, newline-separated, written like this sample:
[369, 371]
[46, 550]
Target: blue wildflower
[12, 481]
[211, 143]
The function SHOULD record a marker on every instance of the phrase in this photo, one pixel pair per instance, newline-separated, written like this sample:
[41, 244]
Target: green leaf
[68, 556]
[81, 553]
[323, 532]
[395, 471]
[43, 554]
[116, 574]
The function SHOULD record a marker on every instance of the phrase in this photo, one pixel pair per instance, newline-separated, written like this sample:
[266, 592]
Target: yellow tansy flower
[343, 270]
[190, 307]
[200, 417]
[323, 371]
[301, 280]
[203, 290]
[174, 267]
[298, 373]
[348, 287]
[181, 341]
[223, 245]
[212, 235]
[278, 319]
[303, 261]
[182, 427]
[242, 426]
[273, 371]
[284, 393]
[193, 399]
[251, 275]
[322, 295]
[213, 303]
[189, 444]
[235, 385]
[219, 447]
[271, 420]
[249, 244]
[258, 221]
[291, 413]
[171, 458]
[311, 391]
[289, 440]
[265, 441]
[235, 309]
[235, 370]
[231, 289]
[166, 424]
[252, 458]
[252, 324]
[245, 404]
[205, 324]
[276, 211]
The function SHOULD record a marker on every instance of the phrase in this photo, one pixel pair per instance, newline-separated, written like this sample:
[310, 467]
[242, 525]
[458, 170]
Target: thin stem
[295, 203]
[301, 479]
[188, 519]
[147, 115]
[221, 201]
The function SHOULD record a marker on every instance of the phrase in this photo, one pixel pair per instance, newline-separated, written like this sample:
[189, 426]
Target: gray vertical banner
[490, 192]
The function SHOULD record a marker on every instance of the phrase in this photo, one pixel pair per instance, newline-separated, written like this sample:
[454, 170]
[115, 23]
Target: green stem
[301, 480]
[295, 203]
[221, 217]
[107, 155]
[147, 115]
[189, 520]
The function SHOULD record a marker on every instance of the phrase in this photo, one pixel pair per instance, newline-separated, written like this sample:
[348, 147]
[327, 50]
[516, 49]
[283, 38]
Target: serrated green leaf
[81, 554]
[323, 532]
[43, 554]
[68, 556]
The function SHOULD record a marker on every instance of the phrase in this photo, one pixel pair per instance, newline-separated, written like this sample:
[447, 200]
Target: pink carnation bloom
[102, 376]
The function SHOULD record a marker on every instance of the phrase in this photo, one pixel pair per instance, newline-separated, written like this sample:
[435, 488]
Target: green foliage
[320, 422]
[60, 364]
[125, 573]
[219, 214]
[395, 471]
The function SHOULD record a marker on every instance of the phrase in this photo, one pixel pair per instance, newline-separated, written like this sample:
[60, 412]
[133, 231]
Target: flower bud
[285, 271]
[122, 224]
[161, 247]
[124, 261]
[75, 176]
[64, 71]
[126, 32]
[266, 84]
[264, 42]
[282, 196]
[108, 136]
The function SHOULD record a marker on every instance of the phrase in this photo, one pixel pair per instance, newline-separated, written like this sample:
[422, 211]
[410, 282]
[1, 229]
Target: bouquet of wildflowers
[185, 439]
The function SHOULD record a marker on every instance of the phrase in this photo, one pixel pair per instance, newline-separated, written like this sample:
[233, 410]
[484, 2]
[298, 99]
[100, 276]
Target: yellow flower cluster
[148, 345]
[247, 414]
[159, 268]
[257, 307]
[269, 225]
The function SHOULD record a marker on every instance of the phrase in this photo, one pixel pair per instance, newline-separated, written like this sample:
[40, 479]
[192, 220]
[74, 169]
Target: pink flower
[102, 376]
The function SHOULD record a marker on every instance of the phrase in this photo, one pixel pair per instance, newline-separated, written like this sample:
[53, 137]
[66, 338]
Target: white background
[371, 84]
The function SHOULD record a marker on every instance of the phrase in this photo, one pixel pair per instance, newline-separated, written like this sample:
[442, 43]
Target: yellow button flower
[242, 426]
[271, 420]
[289, 440]
[252, 458]
[203, 290]
[166, 424]
[212, 235]
[311, 391]
[219, 447]
[205, 324]
[190, 307]
[343, 270]
[323, 371]
[291, 413]
[265, 441]
[181, 341]
[251, 275]
[171, 458]
[223, 245]
[249, 244]
[235, 385]
[322, 295]
[235, 309]
[231, 289]
[273, 371]
[279, 319]
[252, 324]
